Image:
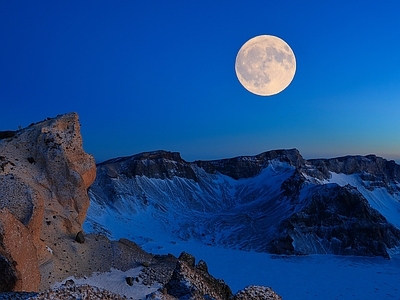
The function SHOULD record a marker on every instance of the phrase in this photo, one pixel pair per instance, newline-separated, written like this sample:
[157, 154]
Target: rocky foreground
[44, 178]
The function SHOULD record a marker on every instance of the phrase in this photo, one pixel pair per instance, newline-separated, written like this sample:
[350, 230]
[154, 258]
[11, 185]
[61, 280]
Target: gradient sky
[150, 75]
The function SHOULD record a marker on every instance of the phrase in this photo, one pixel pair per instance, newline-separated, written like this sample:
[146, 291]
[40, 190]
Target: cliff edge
[44, 177]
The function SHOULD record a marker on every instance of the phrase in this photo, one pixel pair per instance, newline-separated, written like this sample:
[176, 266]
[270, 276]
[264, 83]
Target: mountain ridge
[274, 186]
[44, 179]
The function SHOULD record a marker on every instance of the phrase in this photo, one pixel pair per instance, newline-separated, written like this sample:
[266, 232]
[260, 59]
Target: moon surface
[265, 65]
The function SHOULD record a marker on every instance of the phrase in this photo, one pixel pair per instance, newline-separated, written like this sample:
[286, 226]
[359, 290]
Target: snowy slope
[217, 209]
[388, 204]
[277, 203]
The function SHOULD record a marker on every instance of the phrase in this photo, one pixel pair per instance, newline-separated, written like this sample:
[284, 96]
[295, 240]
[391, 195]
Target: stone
[255, 292]
[189, 282]
[69, 282]
[188, 258]
[44, 173]
[17, 244]
[129, 280]
[80, 238]
[202, 266]
[8, 278]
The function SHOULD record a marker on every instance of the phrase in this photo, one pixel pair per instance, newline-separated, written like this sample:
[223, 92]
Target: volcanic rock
[191, 282]
[257, 293]
[275, 202]
[44, 176]
[80, 237]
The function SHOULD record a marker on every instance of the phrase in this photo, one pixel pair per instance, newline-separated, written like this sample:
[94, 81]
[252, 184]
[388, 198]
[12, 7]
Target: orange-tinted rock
[44, 177]
[17, 242]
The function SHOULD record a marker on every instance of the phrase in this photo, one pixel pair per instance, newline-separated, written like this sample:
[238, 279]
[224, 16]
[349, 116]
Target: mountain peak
[249, 166]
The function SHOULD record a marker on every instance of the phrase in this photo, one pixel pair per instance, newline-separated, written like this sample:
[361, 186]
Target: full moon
[265, 65]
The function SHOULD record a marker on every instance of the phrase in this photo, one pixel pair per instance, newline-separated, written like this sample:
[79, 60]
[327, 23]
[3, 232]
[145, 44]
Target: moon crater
[265, 65]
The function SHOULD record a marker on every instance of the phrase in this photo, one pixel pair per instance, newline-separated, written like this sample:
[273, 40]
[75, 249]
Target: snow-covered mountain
[275, 202]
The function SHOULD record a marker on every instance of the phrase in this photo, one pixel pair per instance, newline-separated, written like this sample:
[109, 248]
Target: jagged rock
[44, 176]
[250, 166]
[189, 282]
[157, 164]
[254, 292]
[202, 266]
[337, 220]
[188, 258]
[378, 168]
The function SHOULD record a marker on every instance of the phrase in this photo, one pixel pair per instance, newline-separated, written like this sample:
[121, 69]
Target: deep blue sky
[149, 75]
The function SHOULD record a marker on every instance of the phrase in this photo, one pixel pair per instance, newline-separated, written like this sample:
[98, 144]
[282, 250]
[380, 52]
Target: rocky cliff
[276, 202]
[44, 177]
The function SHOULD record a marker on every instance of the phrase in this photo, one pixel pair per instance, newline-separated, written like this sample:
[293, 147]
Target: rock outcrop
[337, 220]
[192, 281]
[44, 177]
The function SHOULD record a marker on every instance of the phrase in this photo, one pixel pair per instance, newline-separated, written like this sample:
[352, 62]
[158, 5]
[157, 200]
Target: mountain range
[86, 230]
[275, 202]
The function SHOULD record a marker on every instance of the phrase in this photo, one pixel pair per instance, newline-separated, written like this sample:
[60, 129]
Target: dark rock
[80, 238]
[250, 166]
[371, 165]
[193, 283]
[6, 134]
[282, 245]
[189, 259]
[69, 282]
[202, 266]
[146, 264]
[157, 164]
[31, 160]
[8, 275]
[129, 280]
[292, 186]
[337, 220]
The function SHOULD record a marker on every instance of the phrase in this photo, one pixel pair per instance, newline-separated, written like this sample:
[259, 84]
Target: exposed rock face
[193, 282]
[250, 166]
[376, 170]
[17, 243]
[275, 202]
[157, 164]
[44, 177]
[337, 220]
